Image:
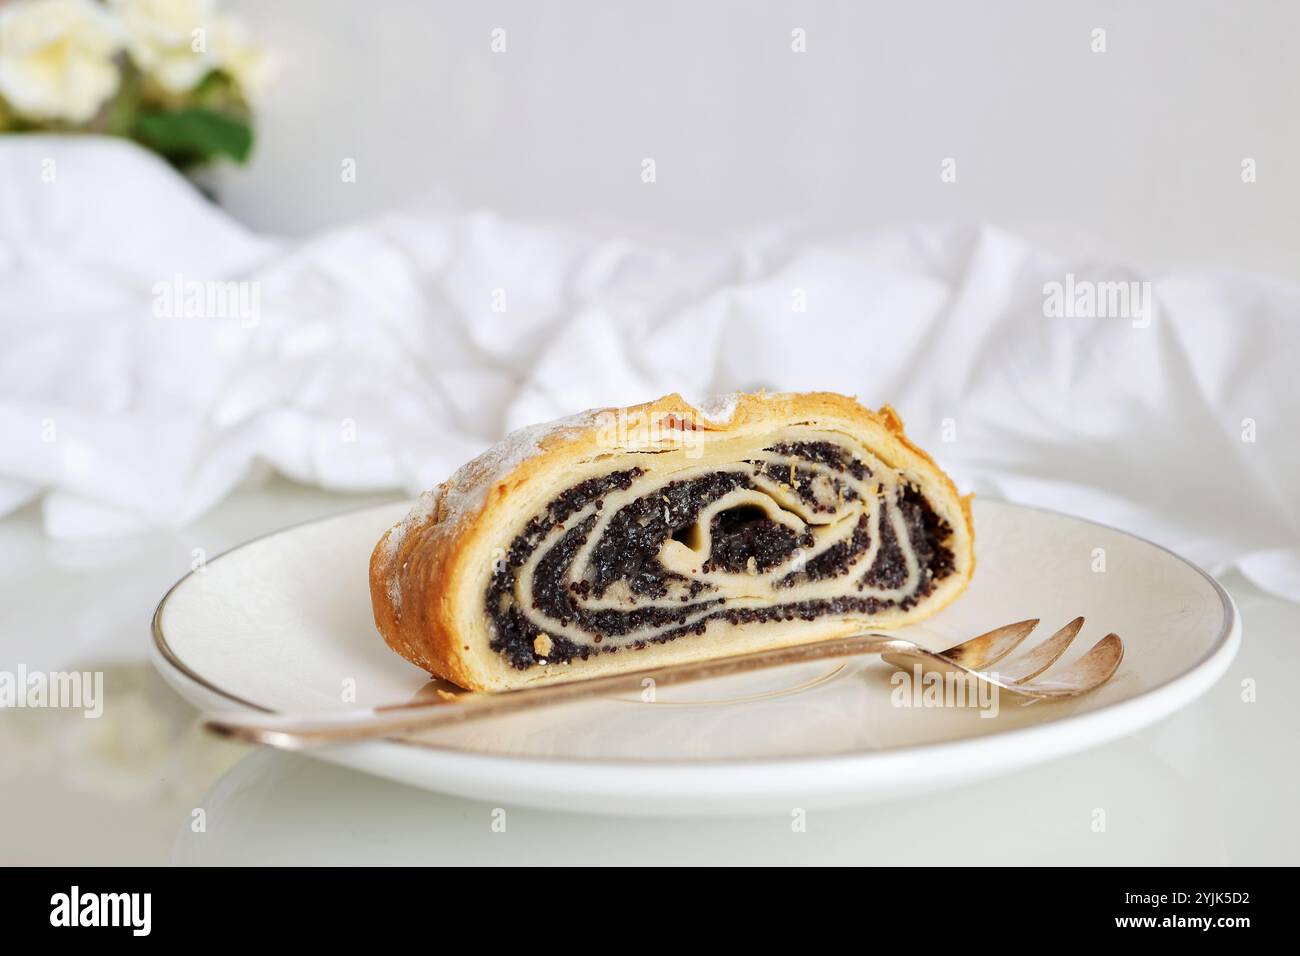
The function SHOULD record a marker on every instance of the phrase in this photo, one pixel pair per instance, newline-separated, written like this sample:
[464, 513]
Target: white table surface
[1215, 783]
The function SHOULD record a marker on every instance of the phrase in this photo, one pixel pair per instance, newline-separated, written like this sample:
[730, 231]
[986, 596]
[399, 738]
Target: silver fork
[972, 657]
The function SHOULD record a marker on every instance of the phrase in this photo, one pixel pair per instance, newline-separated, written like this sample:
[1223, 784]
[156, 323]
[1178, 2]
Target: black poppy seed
[629, 552]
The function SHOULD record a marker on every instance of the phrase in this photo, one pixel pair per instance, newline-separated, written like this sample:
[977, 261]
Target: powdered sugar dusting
[719, 409]
[417, 516]
[465, 491]
[421, 512]
[468, 487]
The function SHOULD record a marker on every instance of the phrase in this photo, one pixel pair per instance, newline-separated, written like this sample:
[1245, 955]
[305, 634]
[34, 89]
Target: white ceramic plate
[284, 624]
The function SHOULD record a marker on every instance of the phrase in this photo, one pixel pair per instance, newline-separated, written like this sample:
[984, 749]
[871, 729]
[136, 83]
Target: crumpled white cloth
[385, 354]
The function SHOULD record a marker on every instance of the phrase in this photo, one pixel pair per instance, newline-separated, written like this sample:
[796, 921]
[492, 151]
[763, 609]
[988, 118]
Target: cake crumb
[751, 565]
[447, 695]
[542, 645]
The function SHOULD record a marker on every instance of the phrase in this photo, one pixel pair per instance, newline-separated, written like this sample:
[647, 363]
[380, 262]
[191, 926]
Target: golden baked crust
[428, 574]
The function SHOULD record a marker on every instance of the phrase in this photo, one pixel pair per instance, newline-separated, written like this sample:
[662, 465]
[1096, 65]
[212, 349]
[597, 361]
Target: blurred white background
[1133, 154]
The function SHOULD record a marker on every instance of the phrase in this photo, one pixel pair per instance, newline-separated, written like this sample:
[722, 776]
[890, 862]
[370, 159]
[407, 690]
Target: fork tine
[991, 647]
[1089, 671]
[1041, 657]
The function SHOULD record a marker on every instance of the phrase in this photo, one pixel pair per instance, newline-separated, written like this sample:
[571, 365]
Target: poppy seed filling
[799, 531]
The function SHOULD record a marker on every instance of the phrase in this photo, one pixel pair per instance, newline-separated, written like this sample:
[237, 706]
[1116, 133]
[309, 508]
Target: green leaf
[195, 135]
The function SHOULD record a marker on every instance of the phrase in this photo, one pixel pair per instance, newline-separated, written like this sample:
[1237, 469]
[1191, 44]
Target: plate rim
[1217, 659]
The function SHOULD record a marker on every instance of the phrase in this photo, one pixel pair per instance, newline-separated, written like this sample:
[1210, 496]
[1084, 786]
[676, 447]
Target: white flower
[56, 58]
[247, 65]
[170, 40]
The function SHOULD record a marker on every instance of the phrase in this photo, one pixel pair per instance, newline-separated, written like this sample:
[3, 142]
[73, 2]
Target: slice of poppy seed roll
[624, 539]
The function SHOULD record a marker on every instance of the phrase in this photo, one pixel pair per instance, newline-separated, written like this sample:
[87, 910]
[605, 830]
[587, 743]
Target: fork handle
[300, 732]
